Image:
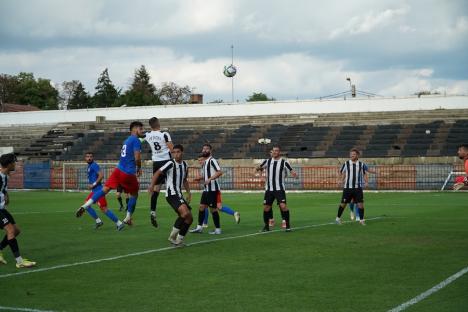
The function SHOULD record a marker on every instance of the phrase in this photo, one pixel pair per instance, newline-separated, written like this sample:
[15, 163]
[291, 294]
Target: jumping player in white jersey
[161, 149]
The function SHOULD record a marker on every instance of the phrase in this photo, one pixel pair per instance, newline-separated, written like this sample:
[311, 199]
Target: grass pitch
[419, 240]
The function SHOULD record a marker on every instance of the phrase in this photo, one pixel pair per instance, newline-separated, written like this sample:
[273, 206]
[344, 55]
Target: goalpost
[449, 177]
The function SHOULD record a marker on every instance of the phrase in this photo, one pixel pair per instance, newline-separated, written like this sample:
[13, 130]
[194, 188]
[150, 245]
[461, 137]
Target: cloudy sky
[288, 49]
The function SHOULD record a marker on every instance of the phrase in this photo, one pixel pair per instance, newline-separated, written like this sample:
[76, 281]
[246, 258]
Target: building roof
[7, 108]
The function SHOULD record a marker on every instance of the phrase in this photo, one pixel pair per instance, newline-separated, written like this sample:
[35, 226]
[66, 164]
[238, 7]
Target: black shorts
[210, 198]
[354, 194]
[157, 165]
[5, 218]
[270, 197]
[176, 201]
[119, 189]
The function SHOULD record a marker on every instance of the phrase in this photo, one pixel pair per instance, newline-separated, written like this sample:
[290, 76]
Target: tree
[258, 97]
[106, 93]
[68, 88]
[8, 88]
[142, 92]
[171, 94]
[38, 92]
[79, 98]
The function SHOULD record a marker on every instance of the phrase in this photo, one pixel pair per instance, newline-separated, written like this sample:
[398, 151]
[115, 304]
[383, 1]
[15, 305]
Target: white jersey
[158, 142]
[3, 189]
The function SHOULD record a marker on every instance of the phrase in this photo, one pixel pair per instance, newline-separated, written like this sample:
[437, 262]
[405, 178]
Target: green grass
[422, 240]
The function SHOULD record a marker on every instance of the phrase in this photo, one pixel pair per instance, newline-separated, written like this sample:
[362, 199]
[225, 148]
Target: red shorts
[102, 202]
[128, 182]
[218, 197]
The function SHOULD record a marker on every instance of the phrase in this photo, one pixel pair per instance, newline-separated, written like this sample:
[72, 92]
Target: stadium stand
[425, 133]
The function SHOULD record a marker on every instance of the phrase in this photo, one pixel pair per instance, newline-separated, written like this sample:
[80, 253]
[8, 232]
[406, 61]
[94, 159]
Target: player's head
[177, 152]
[463, 151]
[276, 151]
[200, 159]
[89, 157]
[206, 150]
[154, 123]
[136, 128]
[8, 161]
[354, 154]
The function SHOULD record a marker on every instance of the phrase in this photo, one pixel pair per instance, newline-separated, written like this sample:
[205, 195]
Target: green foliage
[142, 92]
[106, 93]
[258, 97]
[79, 98]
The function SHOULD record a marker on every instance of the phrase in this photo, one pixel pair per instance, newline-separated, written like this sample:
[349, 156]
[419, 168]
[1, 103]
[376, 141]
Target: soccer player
[463, 155]
[176, 171]
[277, 169]
[211, 196]
[7, 223]
[118, 192]
[126, 173]
[161, 148]
[354, 177]
[95, 177]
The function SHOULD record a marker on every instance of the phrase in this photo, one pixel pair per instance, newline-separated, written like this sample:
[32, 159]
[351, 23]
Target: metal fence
[73, 176]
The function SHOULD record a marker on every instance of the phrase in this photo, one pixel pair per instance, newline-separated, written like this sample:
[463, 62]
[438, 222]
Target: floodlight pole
[232, 78]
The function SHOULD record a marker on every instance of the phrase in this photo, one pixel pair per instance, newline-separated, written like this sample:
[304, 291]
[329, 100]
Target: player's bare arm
[216, 175]
[294, 173]
[138, 162]
[187, 189]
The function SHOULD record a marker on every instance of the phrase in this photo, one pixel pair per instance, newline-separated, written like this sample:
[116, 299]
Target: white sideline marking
[139, 253]
[23, 309]
[429, 292]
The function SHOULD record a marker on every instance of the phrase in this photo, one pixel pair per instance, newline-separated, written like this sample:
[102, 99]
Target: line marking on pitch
[139, 253]
[23, 309]
[430, 291]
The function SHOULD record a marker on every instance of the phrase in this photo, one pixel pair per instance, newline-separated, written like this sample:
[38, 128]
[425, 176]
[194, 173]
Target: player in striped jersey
[176, 172]
[276, 169]
[354, 177]
[7, 223]
[211, 196]
[161, 148]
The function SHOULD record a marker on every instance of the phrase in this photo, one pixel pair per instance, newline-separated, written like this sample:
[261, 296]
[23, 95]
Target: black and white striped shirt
[209, 167]
[176, 174]
[3, 189]
[354, 174]
[276, 173]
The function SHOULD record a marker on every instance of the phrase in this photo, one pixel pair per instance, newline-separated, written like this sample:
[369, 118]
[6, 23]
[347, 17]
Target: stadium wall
[73, 176]
[240, 109]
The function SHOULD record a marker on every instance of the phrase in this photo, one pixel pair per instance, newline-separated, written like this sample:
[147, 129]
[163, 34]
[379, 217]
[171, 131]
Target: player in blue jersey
[95, 177]
[126, 173]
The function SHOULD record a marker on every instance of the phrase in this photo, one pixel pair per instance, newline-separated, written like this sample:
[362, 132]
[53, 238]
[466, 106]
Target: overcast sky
[288, 49]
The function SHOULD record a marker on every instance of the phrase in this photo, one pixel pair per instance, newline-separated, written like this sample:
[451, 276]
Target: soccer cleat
[237, 217]
[178, 243]
[266, 228]
[79, 212]
[120, 227]
[362, 222]
[215, 232]
[153, 221]
[338, 221]
[25, 264]
[204, 225]
[198, 229]
[358, 218]
[271, 223]
[288, 229]
[128, 221]
[98, 225]
[2, 260]
[283, 224]
[351, 215]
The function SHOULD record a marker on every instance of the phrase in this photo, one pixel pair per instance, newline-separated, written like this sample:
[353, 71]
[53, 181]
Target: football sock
[126, 201]
[207, 214]
[285, 216]
[201, 216]
[361, 213]
[270, 214]
[227, 210]
[266, 217]
[96, 196]
[351, 207]
[14, 247]
[111, 216]
[4, 242]
[216, 222]
[184, 229]
[120, 201]
[178, 223]
[92, 213]
[340, 211]
[154, 200]
[132, 204]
